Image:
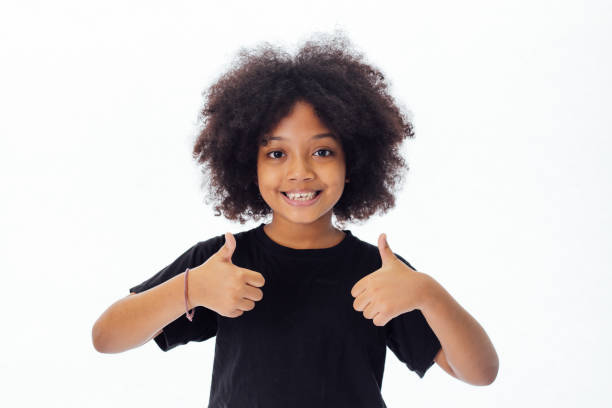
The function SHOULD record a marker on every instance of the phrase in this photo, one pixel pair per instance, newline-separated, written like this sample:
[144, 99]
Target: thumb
[227, 250]
[386, 254]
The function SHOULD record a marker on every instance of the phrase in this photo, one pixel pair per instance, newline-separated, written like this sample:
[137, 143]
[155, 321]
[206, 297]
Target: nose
[300, 169]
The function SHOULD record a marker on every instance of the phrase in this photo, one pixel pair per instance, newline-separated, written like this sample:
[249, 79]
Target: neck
[315, 235]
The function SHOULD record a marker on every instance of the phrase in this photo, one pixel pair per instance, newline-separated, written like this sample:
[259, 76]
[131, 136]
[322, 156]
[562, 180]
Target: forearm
[133, 320]
[467, 347]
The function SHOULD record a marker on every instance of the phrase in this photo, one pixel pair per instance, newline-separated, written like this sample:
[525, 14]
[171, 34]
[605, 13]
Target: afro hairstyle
[349, 96]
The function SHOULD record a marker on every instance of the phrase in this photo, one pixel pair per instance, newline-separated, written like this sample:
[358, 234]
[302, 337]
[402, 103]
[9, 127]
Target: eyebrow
[319, 136]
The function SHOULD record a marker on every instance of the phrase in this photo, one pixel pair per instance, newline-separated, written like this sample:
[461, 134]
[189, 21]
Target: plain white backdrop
[506, 204]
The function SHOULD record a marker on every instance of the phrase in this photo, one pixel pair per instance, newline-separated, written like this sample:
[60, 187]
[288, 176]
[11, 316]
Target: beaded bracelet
[190, 317]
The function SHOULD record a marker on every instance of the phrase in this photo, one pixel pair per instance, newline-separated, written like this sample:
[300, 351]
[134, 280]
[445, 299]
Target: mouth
[302, 203]
[317, 192]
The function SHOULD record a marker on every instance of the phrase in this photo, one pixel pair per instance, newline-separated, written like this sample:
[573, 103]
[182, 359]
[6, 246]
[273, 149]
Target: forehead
[326, 135]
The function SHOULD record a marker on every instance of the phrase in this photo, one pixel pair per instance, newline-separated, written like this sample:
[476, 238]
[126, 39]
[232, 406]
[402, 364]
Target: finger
[361, 302]
[254, 278]
[236, 313]
[386, 254]
[252, 293]
[246, 304]
[369, 311]
[379, 319]
[359, 287]
[227, 250]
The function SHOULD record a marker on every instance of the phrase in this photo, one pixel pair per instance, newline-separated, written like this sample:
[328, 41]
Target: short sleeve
[204, 324]
[412, 340]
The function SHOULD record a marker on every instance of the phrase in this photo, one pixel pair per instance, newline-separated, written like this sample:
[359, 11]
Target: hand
[388, 292]
[221, 286]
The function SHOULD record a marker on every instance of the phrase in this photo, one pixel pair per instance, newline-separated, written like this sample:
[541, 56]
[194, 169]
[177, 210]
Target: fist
[393, 289]
[221, 286]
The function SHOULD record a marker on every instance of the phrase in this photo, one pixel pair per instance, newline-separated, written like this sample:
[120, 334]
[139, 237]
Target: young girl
[302, 310]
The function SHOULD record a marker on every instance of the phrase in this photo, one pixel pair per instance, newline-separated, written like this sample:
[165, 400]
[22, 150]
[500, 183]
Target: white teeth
[301, 196]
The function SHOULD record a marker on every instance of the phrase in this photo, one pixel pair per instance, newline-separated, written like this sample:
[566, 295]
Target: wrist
[195, 286]
[189, 312]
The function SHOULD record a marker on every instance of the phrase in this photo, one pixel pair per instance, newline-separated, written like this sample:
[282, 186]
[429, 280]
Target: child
[302, 310]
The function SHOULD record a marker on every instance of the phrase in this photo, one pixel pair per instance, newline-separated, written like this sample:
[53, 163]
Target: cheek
[268, 183]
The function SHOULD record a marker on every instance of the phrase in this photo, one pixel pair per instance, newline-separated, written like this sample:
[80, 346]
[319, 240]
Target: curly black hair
[349, 96]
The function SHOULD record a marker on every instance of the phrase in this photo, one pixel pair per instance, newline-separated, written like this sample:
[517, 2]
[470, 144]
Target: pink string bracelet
[190, 317]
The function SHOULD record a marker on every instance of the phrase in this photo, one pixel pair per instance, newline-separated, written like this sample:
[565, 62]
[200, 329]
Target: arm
[137, 318]
[440, 360]
[156, 334]
[467, 352]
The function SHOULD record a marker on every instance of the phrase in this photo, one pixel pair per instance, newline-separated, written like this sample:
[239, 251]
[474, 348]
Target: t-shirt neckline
[276, 248]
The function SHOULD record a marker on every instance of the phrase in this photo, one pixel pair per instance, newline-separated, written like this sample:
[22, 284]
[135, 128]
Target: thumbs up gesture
[221, 286]
[390, 291]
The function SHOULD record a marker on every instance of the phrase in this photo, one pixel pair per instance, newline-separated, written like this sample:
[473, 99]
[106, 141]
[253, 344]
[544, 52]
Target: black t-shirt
[303, 344]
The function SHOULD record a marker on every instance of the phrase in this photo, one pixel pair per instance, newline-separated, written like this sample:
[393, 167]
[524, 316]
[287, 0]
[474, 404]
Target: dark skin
[302, 161]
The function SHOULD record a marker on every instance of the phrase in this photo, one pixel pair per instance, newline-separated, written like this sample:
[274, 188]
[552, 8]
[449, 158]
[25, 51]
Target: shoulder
[364, 253]
[361, 244]
[213, 244]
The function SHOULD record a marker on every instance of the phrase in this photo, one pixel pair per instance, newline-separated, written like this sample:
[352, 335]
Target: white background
[506, 204]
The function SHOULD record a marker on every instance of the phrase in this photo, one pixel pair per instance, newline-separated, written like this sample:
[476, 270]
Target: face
[302, 160]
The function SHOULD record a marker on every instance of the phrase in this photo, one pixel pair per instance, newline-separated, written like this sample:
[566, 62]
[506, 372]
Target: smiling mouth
[317, 192]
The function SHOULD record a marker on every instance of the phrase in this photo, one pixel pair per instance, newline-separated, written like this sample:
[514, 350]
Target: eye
[275, 151]
[326, 150]
[331, 153]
